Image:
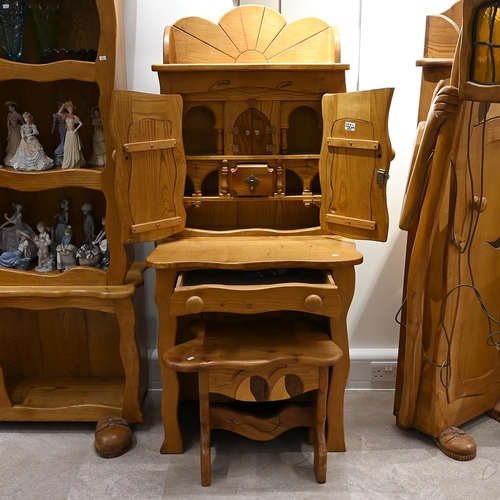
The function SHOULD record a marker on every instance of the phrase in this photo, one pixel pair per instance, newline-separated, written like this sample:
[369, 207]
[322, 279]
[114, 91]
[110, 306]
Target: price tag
[102, 58]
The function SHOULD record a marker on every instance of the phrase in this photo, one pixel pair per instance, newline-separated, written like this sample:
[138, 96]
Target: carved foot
[457, 444]
[494, 413]
[113, 437]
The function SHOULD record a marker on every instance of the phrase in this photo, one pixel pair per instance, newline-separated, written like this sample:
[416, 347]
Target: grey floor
[56, 461]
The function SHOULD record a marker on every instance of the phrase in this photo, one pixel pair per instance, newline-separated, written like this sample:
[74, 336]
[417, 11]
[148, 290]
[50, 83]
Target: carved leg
[320, 452]
[129, 352]
[344, 278]
[205, 458]
[165, 282]
[494, 412]
[457, 444]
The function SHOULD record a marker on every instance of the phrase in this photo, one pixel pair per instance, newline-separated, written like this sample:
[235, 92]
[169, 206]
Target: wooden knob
[313, 302]
[194, 304]
[480, 204]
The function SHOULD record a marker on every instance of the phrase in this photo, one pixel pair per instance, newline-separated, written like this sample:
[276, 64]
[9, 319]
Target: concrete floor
[56, 461]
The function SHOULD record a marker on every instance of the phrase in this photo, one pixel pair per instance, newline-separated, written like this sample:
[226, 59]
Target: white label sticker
[5, 6]
[102, 58]
[350, 126]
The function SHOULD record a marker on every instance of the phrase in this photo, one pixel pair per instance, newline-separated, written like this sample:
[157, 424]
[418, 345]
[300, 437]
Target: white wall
[381, 43]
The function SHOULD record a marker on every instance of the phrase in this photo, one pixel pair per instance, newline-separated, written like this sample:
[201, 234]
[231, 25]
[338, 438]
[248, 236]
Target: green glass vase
[45, 23]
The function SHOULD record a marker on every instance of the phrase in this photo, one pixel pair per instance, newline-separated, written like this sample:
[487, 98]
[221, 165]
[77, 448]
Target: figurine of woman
[66, 251]
[43, 241]
[58, 121]
[102, 242]
[98, 157]
[73, 156]
[88, 223]
[30, 154]
[9, 236]
[14, 122]
[21, 256]
[62, 221]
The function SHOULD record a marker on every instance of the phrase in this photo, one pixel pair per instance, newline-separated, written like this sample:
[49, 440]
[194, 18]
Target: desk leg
[165, 283]
[344, 278]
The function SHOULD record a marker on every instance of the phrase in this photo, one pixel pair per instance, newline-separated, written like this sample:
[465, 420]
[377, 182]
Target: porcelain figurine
[66, 251]
[62, 221]
[58, 124]
[43, 241]
[73, 156]
[14, 122]
[9, 236]
[30, 154]
[88, 255]
[88, 223]
[102, 243]
[21, 256]
[98, 157]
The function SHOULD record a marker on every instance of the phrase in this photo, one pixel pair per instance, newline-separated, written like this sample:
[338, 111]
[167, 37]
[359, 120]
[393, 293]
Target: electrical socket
[383, 371]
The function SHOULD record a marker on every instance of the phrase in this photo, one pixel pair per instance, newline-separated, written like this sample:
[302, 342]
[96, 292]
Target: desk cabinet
[255, 146]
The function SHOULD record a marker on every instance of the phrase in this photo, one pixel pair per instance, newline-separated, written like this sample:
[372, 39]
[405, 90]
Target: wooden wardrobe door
[354, 163]
[151, 166]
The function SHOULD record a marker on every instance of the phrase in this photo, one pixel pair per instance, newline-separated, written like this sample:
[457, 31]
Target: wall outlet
[383, 371]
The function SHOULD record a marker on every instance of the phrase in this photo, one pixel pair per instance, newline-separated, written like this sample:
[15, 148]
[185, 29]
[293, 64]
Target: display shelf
[69, 349]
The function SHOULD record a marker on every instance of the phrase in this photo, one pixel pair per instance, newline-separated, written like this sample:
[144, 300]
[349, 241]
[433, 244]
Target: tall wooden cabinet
[68, 344]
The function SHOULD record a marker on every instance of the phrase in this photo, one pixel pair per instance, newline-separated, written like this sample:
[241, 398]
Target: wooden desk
[248, 252]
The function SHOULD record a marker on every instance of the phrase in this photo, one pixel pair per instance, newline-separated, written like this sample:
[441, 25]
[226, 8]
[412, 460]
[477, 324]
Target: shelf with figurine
[71, 142]
[40, 241]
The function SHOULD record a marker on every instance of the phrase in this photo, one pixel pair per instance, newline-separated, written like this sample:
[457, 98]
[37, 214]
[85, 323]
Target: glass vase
[13, 19]
[45, 23]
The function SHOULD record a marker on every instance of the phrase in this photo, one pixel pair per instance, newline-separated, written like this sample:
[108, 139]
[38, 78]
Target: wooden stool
[264, 360]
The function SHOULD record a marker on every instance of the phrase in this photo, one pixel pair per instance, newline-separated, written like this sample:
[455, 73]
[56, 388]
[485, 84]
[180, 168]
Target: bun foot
[457, 444]
[113, 437]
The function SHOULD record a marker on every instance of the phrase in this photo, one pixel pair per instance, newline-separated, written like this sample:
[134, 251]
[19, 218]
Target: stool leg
[205, 458]
[320, 452]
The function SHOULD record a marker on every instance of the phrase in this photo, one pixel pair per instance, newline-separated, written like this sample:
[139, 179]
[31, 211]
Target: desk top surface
[254, 252]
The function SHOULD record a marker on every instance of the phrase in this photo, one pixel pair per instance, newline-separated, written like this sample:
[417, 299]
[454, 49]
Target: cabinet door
[354, 164]
[254, 136]
[150, 164]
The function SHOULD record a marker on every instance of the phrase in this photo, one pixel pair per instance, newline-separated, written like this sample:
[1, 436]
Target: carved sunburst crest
[252, 34]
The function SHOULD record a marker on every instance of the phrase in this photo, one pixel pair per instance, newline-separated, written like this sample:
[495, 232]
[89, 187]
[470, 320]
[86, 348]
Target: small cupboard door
[354, 164]
[150, 164]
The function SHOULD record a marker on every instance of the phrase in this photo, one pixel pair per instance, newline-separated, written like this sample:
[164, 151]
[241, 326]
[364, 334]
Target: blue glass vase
[13, 19]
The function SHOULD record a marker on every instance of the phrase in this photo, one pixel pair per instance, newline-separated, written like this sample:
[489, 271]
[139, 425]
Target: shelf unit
[68, 343]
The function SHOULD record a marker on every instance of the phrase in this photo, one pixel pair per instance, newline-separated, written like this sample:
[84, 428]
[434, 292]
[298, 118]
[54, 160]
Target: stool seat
[258, 361]
[253, 344]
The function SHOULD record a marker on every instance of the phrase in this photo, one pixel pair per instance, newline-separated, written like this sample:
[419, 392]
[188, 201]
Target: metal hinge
[382, 176]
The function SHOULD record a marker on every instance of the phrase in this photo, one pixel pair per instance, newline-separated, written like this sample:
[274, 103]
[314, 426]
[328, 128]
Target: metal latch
[382, 176]
[252, 181]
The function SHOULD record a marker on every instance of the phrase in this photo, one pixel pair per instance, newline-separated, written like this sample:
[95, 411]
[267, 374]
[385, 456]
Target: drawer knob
[194, 304]
[313, 302]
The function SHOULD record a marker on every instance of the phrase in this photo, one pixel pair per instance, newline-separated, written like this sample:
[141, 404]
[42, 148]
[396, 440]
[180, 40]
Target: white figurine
[30, 154]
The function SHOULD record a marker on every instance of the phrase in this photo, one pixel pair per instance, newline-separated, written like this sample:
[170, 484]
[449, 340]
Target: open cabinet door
[150, 164]
[354, 164]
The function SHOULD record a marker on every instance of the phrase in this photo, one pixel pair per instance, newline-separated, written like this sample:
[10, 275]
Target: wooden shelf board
[64, 398]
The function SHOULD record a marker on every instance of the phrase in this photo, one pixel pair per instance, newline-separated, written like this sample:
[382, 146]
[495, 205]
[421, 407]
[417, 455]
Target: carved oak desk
[321, 282]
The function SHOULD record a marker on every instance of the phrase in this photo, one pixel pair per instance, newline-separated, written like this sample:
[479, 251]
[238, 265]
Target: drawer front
[318, 298]
[252, 180]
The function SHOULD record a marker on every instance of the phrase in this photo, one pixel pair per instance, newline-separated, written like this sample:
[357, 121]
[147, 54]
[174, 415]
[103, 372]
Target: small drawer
[252, 292]
[252, 180]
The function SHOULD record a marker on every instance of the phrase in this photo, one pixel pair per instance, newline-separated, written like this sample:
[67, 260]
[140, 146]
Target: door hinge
[382, 176]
